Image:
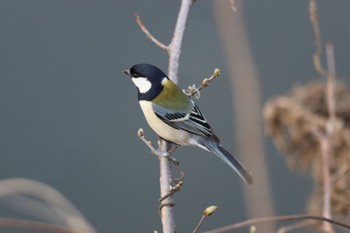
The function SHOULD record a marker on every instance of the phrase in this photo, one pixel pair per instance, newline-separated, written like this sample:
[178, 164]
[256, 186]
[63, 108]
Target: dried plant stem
[318, 40]
[327, 185]
[325, 138]
[42, 202]
[331, 76]
[174, 51]
[255, 221]
[34, 226]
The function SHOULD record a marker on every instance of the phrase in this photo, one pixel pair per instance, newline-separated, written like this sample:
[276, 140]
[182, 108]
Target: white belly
[179, 137]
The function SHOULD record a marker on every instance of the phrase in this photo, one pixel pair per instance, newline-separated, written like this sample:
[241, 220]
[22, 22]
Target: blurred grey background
[69, 116]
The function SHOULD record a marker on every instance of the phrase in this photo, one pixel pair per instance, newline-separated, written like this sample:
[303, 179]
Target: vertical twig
[166, 211]
[331, 85]
[174, 51]
[325, 148]
[327, 186]
[326, 137]
[176, 42]
[167, 214]
[326, 140]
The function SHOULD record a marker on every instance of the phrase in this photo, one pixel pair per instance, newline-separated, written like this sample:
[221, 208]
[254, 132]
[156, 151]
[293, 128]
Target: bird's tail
[225, 156]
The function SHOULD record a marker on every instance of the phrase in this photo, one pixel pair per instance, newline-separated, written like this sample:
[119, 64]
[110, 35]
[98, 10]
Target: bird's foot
[161, 153]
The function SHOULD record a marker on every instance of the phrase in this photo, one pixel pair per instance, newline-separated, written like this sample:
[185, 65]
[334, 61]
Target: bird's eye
[136, 75]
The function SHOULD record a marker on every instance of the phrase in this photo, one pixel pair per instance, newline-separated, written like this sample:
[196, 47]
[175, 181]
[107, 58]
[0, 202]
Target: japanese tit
[175, 117]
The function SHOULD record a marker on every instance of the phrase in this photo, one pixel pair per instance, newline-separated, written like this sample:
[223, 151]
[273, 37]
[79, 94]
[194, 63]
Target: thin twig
[149, 35]
[153, 150]
[176, 42]
[141, 135]
[195, 91]
[255, 221]
[325, 148]
[206, 213]
[35, 226]
[295, 226]
[318, 40]
[199, 223]
[330, 94]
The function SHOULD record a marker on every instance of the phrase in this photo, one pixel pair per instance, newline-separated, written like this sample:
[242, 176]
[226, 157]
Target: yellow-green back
[173, 98]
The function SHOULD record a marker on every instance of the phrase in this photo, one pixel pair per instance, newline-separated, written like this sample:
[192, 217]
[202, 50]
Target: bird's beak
[127, 72]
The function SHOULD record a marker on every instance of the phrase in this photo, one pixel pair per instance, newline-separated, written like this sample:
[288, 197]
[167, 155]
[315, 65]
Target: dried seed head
[290, 120]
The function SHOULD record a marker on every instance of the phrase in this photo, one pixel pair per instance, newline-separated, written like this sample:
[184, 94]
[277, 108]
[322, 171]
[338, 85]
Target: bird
[174, 116]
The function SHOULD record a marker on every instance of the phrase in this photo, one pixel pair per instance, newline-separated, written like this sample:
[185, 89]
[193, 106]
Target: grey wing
[193, 122]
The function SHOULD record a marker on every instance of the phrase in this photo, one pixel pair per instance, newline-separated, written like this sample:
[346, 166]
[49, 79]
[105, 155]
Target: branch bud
[209, 210]
[216, 73]
[140, 133]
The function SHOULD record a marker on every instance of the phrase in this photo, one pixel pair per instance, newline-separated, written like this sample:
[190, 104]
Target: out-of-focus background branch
[247, 106]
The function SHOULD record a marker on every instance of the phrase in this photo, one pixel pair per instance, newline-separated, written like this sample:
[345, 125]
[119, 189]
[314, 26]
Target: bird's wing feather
[193, 122]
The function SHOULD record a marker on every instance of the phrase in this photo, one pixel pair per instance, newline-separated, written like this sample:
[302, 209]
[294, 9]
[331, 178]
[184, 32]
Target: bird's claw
[161, 153]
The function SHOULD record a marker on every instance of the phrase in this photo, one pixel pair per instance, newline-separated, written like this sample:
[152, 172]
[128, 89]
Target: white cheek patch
[143, 84]
[164, 80]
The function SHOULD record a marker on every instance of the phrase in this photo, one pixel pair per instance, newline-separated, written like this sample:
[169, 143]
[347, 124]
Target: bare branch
[255, 221]
[176, 42]
[206, 213]
[296, 226]
[195, 91]
[167, 214]
[149, 35]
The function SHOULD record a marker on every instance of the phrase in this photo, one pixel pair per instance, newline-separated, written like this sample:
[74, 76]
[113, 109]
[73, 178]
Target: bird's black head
[148, 80]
